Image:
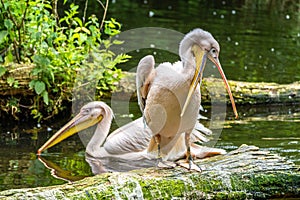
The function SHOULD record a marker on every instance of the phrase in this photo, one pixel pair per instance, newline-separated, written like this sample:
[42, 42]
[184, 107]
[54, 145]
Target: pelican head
[89, 115]
[197, 46]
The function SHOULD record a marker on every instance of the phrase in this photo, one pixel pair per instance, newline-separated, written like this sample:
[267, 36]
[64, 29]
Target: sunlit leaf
[9, 58]
[10, 80]
[48, 6]
[86, 30]
[2, 70]
[78, 20]
[74, 36]
[77, 29]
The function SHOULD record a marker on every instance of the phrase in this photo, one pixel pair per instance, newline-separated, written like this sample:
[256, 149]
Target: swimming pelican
[129, 142]
[169, 95]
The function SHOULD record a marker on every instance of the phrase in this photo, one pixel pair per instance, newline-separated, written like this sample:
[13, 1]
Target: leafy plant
[31, 33]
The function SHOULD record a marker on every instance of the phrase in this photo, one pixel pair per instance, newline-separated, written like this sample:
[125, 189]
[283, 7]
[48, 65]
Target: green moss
[163, 188]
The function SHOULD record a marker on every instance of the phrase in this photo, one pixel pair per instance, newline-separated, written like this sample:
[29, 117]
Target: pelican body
[169, 95]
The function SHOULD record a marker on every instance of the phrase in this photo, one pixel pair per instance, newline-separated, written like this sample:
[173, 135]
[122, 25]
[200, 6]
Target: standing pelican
[169, 95]
[129, 142]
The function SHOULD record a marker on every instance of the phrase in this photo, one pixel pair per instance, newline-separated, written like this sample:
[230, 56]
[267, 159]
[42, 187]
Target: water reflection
[58, 172]
[111, 164]
[97, 166]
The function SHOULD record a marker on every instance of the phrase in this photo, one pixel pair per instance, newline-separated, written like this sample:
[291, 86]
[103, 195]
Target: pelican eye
[86, 111]
[213, 50]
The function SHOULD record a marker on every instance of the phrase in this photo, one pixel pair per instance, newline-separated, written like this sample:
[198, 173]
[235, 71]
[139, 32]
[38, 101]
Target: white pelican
[169, 95]
[129, 142]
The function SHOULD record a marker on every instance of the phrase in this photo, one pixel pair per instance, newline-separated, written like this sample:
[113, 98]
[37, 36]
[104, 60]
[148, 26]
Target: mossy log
[243, 92]
[245, 173]
[20, 74]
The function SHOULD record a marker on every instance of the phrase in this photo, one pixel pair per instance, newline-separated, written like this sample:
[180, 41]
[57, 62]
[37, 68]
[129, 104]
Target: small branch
[21, 25]
[85, 9]
[105, 12]
[101, 4]
[24, 15]
[16, 50]
[54, 11]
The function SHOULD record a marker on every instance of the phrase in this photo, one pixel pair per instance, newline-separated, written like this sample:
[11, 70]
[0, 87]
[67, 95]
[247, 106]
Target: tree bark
[245, 173]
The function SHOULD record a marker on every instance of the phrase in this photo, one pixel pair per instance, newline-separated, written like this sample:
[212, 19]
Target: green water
[259, 42]
[272, 128]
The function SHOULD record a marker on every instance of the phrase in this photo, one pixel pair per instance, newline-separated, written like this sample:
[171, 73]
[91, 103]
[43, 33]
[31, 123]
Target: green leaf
[41, 60]
[8, 24]
[2, 71]
[78, 21]
[82, 38]
[48, 6]
[45, 97]
[52, 76]
[3, 35]
[39, 87]
[36, 71]
[9, 58]
[32, 83]
[10, 80]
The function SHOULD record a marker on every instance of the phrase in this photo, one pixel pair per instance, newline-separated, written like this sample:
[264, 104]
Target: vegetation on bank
[55, 49]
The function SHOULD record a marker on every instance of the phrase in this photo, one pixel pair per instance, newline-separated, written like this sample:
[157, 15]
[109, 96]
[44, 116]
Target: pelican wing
[132, 137]
[144, 77]
[200, 133]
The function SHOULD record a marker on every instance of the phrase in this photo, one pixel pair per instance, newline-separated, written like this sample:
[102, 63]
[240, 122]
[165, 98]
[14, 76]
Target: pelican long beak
[78, 123]
[218, 64]
[200, 58]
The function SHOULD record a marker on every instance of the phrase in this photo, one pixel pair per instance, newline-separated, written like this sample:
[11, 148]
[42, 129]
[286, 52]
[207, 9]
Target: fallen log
[243, 92]
[245, 173]
[19, 76]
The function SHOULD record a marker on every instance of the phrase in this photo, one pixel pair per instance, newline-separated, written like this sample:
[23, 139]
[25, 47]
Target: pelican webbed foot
[189, 164]
[166, 164]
